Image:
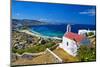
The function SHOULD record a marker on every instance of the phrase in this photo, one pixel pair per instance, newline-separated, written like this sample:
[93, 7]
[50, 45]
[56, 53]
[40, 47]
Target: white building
[71, 42]
[84, 32]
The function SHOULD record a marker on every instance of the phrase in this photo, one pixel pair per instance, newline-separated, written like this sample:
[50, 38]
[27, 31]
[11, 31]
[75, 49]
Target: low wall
[47, 52]
[56, 59]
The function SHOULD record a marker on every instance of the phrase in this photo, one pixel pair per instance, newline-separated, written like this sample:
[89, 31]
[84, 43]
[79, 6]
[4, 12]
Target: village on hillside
[31, 48]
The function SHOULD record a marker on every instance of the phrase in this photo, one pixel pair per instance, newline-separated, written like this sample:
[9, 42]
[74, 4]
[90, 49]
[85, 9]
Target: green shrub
[90, 34]
[20, 51]
[14, 50]
[86, 53]
[34, 49]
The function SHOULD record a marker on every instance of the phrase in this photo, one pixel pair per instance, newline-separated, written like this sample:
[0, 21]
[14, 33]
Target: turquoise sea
[59, 29]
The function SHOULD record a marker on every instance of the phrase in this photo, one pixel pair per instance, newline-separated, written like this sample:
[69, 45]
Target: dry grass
[42, 59]
[47, 58]
[64, 55]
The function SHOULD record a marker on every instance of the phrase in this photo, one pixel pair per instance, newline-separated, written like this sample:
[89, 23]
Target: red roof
[74, 36]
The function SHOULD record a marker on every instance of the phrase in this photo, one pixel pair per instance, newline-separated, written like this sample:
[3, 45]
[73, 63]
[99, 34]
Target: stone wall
[55, 58]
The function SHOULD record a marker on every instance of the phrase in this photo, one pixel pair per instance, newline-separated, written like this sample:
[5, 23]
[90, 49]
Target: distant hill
[26, 22]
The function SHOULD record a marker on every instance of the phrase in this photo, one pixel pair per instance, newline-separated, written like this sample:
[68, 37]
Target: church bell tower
[68, 28]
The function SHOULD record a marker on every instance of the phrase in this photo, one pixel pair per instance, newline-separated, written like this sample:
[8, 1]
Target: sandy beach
[33, 33]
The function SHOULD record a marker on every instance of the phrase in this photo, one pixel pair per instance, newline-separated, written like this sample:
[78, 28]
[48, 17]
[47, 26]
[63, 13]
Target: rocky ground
[22, 42]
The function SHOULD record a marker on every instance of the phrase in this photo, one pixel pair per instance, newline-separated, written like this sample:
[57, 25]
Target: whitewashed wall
[71, 48]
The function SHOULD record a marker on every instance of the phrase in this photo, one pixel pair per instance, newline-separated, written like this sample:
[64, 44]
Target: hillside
[26, 22]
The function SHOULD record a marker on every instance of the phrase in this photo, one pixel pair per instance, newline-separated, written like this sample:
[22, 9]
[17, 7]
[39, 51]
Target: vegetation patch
[86, 53]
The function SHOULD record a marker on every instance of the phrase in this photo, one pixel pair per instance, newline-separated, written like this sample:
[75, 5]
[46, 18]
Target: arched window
[67, 43]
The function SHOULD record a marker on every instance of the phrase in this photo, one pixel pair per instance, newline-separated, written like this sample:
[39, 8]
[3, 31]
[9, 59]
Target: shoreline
[34, 33]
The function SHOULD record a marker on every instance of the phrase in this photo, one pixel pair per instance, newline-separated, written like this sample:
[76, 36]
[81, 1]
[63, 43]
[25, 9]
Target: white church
[71, 41]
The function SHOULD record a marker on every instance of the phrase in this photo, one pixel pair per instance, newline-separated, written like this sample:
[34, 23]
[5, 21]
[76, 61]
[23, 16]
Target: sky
[54, 13]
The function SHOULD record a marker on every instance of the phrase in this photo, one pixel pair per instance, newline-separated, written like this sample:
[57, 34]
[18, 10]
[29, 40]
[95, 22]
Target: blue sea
[59, 29]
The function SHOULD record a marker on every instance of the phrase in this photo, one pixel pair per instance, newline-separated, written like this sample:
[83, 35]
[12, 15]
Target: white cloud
[90, 12]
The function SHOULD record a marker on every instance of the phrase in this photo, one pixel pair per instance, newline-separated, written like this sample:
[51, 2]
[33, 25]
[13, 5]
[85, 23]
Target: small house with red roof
[71, 42]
